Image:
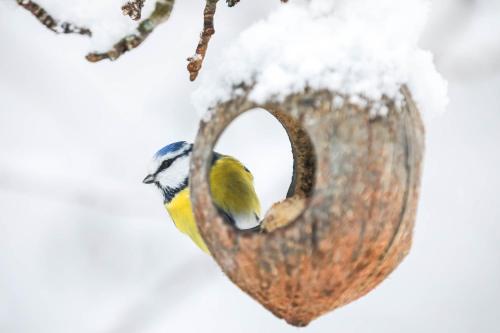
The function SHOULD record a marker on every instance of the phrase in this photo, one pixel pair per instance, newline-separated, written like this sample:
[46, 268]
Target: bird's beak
[149, 179]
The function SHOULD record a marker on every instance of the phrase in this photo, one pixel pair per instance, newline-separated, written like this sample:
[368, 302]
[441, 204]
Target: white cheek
[176, 174]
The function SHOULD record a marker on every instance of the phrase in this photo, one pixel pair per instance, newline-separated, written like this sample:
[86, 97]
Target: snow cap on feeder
[364, 50]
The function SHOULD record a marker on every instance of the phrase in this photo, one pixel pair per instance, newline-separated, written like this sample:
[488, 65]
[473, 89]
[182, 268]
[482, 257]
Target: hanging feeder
[348, 218]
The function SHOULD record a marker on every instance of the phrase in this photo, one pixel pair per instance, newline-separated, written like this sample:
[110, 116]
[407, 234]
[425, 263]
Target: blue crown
[171, 148]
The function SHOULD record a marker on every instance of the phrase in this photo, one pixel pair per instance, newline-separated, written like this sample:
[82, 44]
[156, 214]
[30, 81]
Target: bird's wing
[233, 192]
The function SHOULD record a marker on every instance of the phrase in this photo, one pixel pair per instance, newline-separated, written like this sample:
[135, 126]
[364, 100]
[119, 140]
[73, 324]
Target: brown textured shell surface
[356, 179]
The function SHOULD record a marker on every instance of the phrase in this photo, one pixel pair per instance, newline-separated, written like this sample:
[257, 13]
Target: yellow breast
[232, 191]
[182, 214]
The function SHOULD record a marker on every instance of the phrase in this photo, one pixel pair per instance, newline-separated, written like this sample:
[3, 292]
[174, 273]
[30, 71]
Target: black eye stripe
[167, 163]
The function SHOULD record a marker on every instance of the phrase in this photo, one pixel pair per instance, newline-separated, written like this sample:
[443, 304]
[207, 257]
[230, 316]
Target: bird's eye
[165, 164]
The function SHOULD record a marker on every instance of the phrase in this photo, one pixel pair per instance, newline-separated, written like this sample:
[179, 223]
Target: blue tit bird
[231, 185]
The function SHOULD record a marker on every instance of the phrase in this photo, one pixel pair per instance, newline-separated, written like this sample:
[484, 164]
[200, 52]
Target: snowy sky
[86, 247]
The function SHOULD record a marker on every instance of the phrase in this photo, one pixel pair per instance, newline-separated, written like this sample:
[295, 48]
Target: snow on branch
[50, 22]
[161, 13]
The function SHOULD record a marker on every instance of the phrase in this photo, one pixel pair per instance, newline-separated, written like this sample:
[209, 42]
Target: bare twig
[231, 3]
[196, 61]
[162, 12]
[50, 22]
[133, 9]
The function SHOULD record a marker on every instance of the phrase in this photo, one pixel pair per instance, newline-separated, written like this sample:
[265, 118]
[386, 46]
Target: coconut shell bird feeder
[348, 217]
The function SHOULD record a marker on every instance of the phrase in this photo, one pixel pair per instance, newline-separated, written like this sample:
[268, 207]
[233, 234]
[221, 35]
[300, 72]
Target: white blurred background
[86, 247]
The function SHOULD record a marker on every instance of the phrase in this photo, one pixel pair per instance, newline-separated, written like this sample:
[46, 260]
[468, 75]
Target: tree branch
[161, 14]
[50, 22]
[196, 61]
[133, 9]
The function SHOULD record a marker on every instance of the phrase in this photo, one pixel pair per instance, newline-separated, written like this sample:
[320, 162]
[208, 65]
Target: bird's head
[169, 169]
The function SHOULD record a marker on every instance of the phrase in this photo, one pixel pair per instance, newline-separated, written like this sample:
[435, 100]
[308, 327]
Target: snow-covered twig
[50, 22]
[133, 9]
[161, 13]
[196, 61]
